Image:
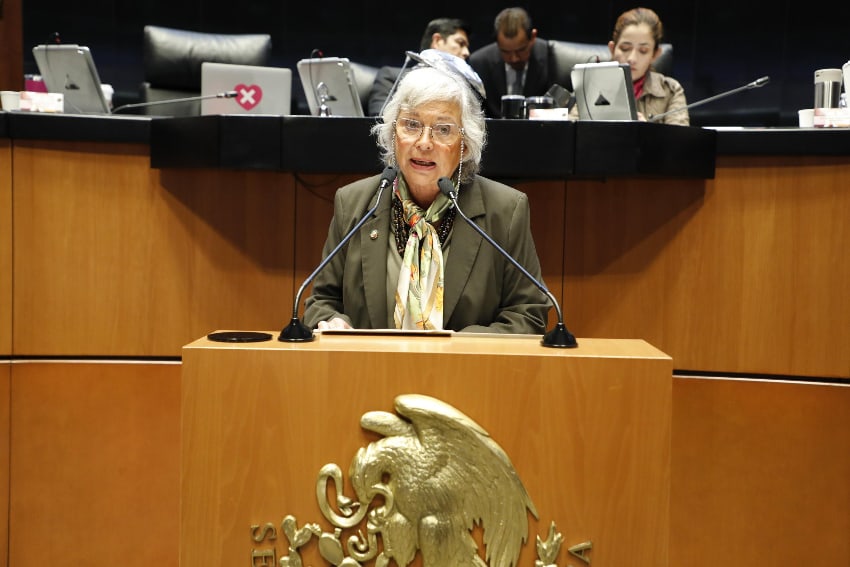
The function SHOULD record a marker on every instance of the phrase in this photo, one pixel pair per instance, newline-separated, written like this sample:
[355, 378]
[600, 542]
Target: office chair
[172, 63]
[363, 76]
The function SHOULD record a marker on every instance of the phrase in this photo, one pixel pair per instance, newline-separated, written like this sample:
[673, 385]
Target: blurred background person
[444, 34]
[517, 62]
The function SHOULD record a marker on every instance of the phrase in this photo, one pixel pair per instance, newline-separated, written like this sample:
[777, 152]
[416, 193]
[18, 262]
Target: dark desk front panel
[639, 149]
[78, 127]
[516, 149]
[230, 142]
[784, 141]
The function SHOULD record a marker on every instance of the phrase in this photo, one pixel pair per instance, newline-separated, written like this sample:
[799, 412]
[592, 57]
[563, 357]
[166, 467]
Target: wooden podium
[588, 431]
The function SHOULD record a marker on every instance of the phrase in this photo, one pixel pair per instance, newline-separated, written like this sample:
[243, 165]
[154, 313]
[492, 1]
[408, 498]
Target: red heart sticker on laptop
[248, 96]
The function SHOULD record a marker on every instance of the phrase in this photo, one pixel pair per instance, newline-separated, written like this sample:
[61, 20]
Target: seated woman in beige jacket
[636, 41]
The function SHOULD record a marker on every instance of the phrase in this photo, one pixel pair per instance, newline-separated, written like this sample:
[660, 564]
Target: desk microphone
[559, 337]
[760, 82]
[297, 331]
[225, 94]
[395, 83]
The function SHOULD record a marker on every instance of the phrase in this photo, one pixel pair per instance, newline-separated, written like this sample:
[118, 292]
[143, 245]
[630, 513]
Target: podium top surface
[454, 343]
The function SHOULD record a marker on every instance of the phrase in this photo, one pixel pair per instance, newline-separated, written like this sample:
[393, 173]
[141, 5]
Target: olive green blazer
[483, 291]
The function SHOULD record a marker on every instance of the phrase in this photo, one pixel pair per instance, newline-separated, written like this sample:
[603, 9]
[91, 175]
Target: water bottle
[827, 88]
[846, 70]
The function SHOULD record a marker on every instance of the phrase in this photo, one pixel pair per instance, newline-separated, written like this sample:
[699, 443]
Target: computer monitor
[259, 89]
[603, 91]
[329, 86]
[69, 69]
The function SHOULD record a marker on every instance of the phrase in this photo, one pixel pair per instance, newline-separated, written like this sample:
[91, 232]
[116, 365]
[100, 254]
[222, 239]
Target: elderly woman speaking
[412, 265]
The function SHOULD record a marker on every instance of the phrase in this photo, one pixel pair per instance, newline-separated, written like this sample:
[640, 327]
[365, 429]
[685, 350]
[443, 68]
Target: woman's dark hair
[637, 16]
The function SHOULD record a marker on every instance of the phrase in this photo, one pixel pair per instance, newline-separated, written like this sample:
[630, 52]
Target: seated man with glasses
[518, 62]
[416, 264]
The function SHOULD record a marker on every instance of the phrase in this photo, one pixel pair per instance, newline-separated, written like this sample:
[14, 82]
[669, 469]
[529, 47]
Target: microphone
[418, 58]
[397, 79]
[561, 97]
[225, 94]
[559, 337]
[297, 331]
[323, 96]
[760, 82]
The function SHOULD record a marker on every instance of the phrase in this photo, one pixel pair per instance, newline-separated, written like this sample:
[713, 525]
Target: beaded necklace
[402, 229]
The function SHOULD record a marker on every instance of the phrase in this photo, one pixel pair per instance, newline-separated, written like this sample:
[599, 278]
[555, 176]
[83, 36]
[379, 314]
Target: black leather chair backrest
[363, 76]
[173, 57]
[568, 53]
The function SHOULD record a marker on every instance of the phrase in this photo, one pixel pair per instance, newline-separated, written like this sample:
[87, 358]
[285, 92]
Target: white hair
[423, 85]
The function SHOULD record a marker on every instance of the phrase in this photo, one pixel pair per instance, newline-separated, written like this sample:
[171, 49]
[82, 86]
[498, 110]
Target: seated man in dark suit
[444, 34]
[518, 62]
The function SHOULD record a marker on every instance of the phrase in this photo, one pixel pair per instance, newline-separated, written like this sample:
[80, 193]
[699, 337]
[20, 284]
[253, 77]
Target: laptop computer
[603, 91]
[329, 86]
[69, 69]
[259, 90]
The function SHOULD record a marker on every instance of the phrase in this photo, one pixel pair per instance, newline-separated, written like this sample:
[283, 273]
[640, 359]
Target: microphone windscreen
[389, 174]
[560, 96]
[446, 187]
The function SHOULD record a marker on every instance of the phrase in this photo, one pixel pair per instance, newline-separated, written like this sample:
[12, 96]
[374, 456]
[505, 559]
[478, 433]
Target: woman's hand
[335, 323]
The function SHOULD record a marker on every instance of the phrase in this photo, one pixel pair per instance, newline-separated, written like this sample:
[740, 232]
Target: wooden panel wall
[5, 337]
[5, 247]
[94, 465]
[759, 469]
[760, 473]
[743, 273]
[11, 46]
[116, 258]
[5, 388]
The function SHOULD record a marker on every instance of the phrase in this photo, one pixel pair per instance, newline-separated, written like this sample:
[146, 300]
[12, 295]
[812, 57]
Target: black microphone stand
[760, 82]
[297, 331]
[395, 84]
[559, 337]
[225, 94]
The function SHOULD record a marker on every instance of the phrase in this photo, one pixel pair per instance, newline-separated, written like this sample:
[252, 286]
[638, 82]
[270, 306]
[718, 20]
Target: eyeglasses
[411, 129]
